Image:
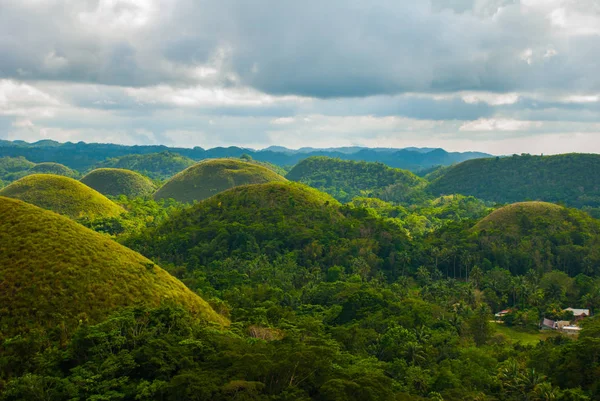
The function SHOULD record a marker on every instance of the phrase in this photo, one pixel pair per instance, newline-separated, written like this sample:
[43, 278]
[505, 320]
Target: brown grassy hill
[55, 273]
[62, 195]
[211, 177]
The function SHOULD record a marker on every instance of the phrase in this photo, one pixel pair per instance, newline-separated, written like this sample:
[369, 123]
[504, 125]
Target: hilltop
[345, 179]
[210, 177]
[571, 178]
[159, 166]
[53, 168]
[517, 218]
[62, 195]
[56, 273]
[13, 168]
[274, 219]
[539, 235]
[117, 181]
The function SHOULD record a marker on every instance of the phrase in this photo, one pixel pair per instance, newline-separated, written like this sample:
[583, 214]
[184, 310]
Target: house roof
[579, 312]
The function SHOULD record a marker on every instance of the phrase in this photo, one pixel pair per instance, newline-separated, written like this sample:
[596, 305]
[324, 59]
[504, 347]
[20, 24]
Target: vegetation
[13, 168]
[62, 195]
[57, 275]
[86, 156]
[53, 168]
[160, 166]
[375, 299]
[344, 179]
[116, 181]
[210, 177]
[569, 178]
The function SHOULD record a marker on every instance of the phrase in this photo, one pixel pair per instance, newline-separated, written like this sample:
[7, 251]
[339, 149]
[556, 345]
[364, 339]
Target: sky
[499, 76]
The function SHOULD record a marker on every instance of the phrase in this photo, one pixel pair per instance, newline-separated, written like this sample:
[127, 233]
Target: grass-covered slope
[519, 217]
[540, 236]
[53, 168]
[160, 166]
[274, 220]
[346, 179]
[571, 178]
[62, 195]
[117, 181]
[54, 272]
[12, 168]
[210, 177]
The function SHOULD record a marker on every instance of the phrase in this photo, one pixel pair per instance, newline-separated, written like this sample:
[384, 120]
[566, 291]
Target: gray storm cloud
[199, 72]
[338, 48]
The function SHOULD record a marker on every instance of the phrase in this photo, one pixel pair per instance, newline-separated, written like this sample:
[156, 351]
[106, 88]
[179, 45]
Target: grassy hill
[159, 166]
[55, 273]
[53, 168]
[275, 219]
[539, 235]
[210, 177]
[62, 195]
[117, 181]
[346, 179]
[571, 178]
[12, 168]
[518, 217]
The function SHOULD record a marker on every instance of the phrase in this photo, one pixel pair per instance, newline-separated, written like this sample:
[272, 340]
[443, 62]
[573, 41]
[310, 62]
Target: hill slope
[541, 236]
[54, 272]
[62, 195]
[210, 177]
[274, 220]
[572, 178]
[518, 218]
[53, 168]
[116, 181]
[345, 179]
[160, 166]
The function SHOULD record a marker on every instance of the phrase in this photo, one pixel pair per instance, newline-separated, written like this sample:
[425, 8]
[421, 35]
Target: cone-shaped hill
[520, 217]
[55, 272]
[62, 195]
[53, 168]
[539, 235]
[273, 220]
[210, 177]
[117, 181]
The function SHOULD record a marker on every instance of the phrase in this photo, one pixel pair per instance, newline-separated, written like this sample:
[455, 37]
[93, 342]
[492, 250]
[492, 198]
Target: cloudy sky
[502, 76]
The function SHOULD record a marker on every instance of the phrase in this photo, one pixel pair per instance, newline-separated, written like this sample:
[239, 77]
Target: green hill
[53, 168]
[116, 181]
[55, 273]
[539, 235]
[517, 218]
[210, 177]
[160, 166]
[571, 178]
[275, 219]
[62, 195]
[12, 168]
[346, 179]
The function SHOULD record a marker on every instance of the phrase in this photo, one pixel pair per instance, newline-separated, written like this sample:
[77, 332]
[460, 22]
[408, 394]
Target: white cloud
[493, 124]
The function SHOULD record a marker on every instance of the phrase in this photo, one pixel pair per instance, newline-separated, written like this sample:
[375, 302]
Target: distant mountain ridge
[82, 156]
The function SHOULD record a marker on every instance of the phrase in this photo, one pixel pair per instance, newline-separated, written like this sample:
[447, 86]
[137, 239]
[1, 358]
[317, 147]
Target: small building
[579, 313]
[549, 324]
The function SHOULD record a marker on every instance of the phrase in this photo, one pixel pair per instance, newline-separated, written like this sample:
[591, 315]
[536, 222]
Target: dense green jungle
[166, 275]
